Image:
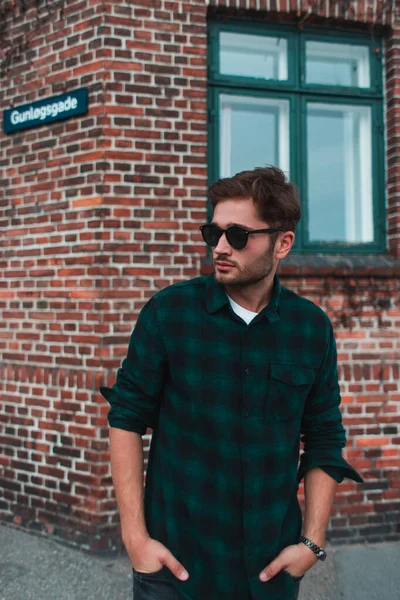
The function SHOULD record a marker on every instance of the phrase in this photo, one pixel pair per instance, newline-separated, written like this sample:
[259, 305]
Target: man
[228, 369]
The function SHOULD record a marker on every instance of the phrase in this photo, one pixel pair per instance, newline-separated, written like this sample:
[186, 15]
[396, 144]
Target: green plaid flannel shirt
[227, 403]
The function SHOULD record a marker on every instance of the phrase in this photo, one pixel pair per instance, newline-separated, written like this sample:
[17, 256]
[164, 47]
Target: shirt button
[247, 371]
[246, 416]
[248, 461]
[248, 506]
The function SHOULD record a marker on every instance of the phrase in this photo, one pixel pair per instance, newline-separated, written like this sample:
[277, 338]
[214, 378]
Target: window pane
[337, 64]
[253, 132]
[339, 173]
[253, 56]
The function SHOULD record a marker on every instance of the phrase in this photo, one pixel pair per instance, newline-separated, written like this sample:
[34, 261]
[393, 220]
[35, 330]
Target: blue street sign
[42, 112]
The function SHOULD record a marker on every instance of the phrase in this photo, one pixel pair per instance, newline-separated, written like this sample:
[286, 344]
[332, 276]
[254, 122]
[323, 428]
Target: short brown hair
[276, 199]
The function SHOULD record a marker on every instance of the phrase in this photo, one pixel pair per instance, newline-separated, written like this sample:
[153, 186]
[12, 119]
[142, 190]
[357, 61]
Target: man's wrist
[131, 535]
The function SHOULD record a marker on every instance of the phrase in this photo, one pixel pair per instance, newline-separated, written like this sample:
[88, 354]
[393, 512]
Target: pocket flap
[292, 374]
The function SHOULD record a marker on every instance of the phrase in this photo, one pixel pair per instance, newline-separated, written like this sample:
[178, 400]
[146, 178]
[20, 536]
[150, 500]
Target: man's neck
[252, 297]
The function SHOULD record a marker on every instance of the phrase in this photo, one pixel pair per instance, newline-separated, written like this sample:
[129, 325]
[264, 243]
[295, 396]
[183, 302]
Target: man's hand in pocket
[149, 556]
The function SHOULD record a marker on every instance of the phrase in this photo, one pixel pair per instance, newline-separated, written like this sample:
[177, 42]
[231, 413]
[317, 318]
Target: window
[311, 103]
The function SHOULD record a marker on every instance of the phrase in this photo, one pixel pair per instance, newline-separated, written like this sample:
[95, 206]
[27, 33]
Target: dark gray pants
[154, 586]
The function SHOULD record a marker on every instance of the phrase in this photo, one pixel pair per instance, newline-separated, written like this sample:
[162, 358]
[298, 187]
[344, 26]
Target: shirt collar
[216, 298]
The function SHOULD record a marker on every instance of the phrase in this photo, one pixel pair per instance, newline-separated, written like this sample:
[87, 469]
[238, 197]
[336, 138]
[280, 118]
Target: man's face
[256, 260]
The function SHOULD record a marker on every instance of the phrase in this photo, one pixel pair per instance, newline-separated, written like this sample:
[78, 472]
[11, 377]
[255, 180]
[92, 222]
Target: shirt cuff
[119, 417]
[336, 466]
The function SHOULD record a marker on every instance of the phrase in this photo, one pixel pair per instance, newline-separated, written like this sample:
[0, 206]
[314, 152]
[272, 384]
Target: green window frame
[297, 92]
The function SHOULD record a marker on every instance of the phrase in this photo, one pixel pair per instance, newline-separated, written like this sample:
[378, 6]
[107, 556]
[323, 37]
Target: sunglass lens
[236, 237]
[211, 234]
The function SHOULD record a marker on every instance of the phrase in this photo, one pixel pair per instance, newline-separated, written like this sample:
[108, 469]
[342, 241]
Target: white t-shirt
[243, 313]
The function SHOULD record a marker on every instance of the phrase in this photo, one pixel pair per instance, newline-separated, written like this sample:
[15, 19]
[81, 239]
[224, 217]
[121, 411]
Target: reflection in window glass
[253, 132]
[339, 173]
[337, 64]
[253, 56]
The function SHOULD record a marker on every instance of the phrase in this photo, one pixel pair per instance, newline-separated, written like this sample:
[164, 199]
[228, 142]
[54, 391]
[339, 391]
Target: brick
[372, 441]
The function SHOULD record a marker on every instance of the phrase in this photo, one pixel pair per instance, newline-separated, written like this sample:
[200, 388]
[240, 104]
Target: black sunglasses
[237, 236]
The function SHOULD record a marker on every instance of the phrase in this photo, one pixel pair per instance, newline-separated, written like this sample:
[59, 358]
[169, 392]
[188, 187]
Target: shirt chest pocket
[289, 387]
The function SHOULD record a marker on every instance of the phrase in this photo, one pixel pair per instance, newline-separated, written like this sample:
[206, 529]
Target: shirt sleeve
[322, 431]
[135, 396]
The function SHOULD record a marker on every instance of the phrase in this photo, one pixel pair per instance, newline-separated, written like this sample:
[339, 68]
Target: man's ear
[284, 244]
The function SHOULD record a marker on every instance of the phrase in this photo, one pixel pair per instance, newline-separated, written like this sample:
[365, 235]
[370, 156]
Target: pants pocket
[153, 586]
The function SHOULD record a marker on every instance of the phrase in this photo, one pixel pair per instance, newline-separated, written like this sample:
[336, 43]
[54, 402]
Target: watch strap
[320, 552]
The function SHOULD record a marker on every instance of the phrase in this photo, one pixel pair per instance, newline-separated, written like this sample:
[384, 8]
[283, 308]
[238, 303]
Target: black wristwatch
[316, 549]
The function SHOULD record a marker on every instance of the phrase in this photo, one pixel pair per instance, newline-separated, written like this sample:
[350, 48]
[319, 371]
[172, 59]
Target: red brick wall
[54, 276]
[101, 211]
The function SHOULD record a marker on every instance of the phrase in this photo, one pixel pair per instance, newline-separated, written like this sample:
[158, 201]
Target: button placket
[246, 372]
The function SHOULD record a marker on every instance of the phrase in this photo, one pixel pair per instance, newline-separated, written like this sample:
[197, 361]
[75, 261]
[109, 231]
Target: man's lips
[223, 264]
